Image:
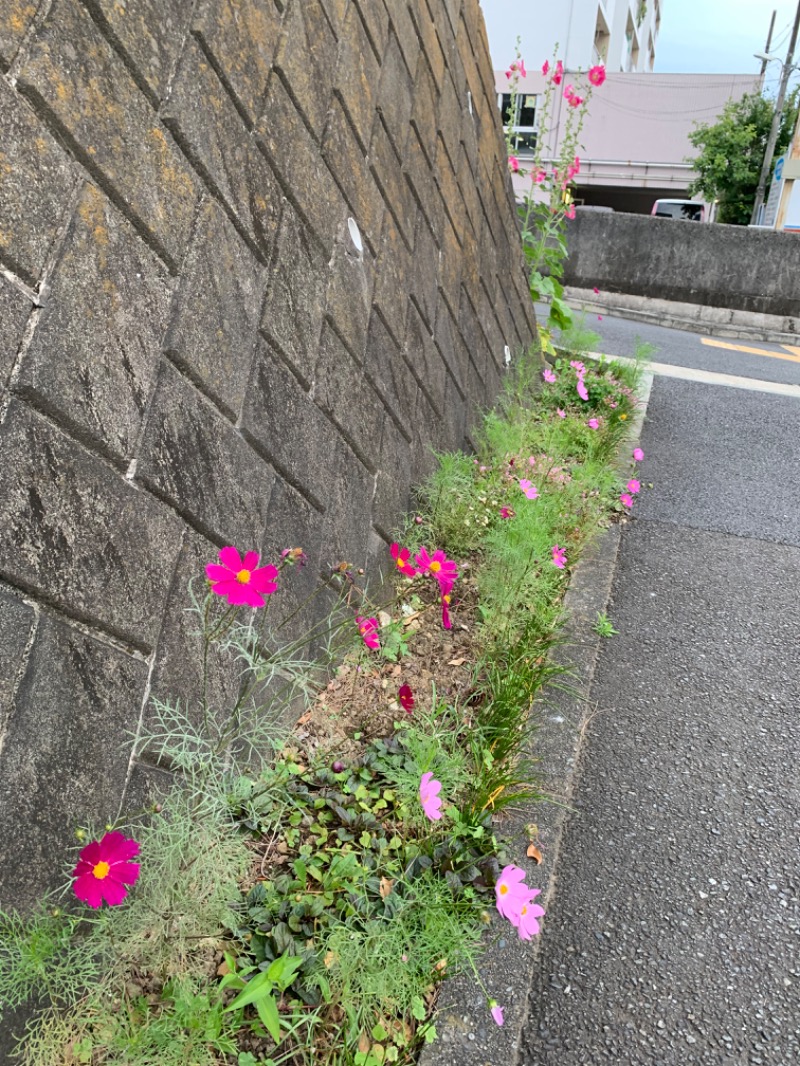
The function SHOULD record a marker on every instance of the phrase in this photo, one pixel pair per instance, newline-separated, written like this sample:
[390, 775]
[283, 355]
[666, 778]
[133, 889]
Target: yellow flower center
[622, 418]
[524, 910]
[243, 576]
[401, 563]
[101, 870]
[503, 889]
[435, 567]
[446, 598]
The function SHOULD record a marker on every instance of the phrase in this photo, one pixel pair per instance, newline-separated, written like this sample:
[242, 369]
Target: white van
[685, 210]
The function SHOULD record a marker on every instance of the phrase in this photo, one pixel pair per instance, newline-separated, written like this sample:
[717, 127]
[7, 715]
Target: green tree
[731, 153]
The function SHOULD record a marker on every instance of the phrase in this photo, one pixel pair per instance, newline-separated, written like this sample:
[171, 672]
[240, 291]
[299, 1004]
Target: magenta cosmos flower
[242, 581]
[559, 557]
[548, 375]
[638, 454]
[446, 620]
[443, 569]
[528, 488]
[506, 512]
[104, 870]
[368, 628]
[626, 500]
[633, 486]
[497, 1011]
[429, 797]
[597, 75]
[406, 697]
[401, 557]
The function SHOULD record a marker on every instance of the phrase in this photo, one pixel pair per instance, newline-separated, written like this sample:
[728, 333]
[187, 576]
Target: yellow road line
[793, 358]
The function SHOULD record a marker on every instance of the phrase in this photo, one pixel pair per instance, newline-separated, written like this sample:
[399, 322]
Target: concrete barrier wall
[194, 349]
[719, 266]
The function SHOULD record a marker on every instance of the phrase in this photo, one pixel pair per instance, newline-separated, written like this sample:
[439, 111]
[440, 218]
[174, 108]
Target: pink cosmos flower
[511, 892]
[559, 557]
[583, 392]
[529, 913]
[513, 164]
[633, 486]
[368, 628]
[528, 488]
[560, 413]
[497, 1011]
[596, 291]
[546, 67]
[429, 797]
[406, 697]
[578, 367]
[443, 569]
[548, 375]
[446, 620]
[506, 512]
[597, 75]
[599, 318]
[593, 423]
[638, 454]
[558, 73]
[626, 500]
[241, 581]
[401, 557]
[104, 870]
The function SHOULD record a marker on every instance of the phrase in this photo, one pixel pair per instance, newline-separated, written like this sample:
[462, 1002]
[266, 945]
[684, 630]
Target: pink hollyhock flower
[633, 486]
[560, 413]
[513, 164]
[241, 581]
[528, 488]
[548, 375]
[446, 620]
[546, 67]
[597, 75]
[577, 164]
[104, 870]
[558, 73]
[506, 512]
[511, 892]
[406, 697]
[429, 797]
[401, 557]
[596, 291]
[539, 177]
[626, 500]
[568, 92]
[497, 1011]
[593, 423]
[570, 212]
[368, 628]
[443, 569]
[559, 557]
[638, 454]
[575, 100]
[583, 392]
[521, 68]
[529, 913]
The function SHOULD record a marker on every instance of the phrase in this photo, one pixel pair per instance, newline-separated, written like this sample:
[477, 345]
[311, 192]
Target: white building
[622, 34]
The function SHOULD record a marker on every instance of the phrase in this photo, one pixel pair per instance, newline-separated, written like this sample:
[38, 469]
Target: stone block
[15, 309]
[394, 95]
[357, 77]
[389, 374]
[348, 165]
[150, 33]
[304, 59]
[75, 532]
[405, 33]
[212, 333]
[63, 763]
[448, 187]
[451, 348]
[17, 620]
[295, 156]
[421, 181]
[295, 302]
[110, 125]
[395, 270]
[205, 122]
[425, 275]
[241, 36]
[177, 675]
[15, 18]
[385, 166]
[349, 296]
[347, 513]
[426, 440]
[345, 395]
[426, 31]
[424, 116]
[335, 10]
[450, 266]
[197, 461]
[425, 361]
[36, 180]
[452, 108]
[376, 22]
[283, 423]
[495, 340]
[393, 481]
[468, 185]
[93, 359]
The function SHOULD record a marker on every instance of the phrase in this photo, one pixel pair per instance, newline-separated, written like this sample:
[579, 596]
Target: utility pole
[766, 48]
[776, 122]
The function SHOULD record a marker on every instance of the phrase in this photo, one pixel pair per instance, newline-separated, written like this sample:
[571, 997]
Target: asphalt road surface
[674, 937]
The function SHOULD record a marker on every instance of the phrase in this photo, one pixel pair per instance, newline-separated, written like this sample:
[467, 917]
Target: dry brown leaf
[534, 853]
[364, 1044]
[456, 662]
[329, 960]
[387, 884]
[304, 718]
[223, 969]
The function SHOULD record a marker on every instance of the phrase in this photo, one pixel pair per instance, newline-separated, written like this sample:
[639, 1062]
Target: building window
[522, 122]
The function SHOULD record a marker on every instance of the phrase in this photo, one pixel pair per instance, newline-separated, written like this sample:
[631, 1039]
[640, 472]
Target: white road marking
[707, 377]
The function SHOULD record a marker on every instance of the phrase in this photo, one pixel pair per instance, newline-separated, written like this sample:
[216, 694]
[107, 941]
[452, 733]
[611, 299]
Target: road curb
[467, 1036]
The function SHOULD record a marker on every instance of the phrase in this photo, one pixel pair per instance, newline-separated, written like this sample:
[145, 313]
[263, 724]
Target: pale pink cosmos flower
[633, 486]
[626, 500]
[560, 413]
[528, 488]
[578, 367]
[548, 375]
[559, 557]
[497, 1011]
[529, 913]
[638, 454]
[583, 392]
[593, 423]
[429, 797]
[513, 164]
[597, 75]
[511, 892]
[368, 628]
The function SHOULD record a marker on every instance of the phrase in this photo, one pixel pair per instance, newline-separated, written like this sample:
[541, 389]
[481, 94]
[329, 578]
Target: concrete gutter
[696, 318]
[467, 1036]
